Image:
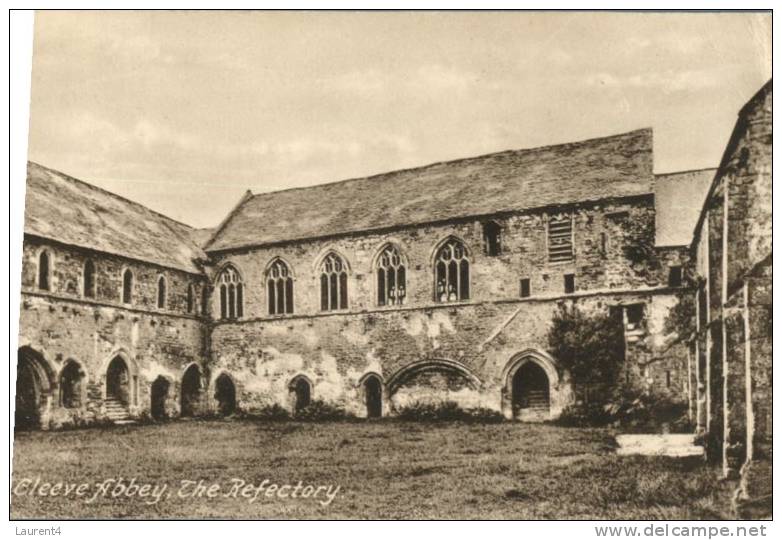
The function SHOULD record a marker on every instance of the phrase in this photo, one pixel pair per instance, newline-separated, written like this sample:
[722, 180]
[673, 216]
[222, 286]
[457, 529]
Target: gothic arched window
[231, 293]
[452, 272]
[89, 279]
[127, 287]
[161, 292]
[190, 298]
[391, 277]
[333, 283]
[279, 288]
[43, 271]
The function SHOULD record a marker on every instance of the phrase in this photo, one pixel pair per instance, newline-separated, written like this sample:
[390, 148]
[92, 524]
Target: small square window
[570, 283]
[525, 290]
[675, 276]
[635, 313]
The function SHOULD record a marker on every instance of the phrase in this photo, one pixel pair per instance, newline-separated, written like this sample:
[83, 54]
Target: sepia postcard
[403, 265]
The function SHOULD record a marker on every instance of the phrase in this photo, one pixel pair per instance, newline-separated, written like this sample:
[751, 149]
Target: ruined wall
[735, 313]
[484, 341]
[61, 325]
[614, 251]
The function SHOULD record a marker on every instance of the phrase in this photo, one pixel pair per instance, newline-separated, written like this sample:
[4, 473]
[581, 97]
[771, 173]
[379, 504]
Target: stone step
[668, 444]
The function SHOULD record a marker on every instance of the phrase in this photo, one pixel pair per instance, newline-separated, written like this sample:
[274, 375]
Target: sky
[185, 111]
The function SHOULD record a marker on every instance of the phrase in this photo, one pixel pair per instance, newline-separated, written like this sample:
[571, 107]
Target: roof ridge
[217, 230]
[686, 171]
[454, 161]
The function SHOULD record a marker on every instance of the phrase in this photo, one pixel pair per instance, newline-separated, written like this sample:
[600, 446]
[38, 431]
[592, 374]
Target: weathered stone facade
[479, 340]
[61, 327]
[220, 341]
[732, 251]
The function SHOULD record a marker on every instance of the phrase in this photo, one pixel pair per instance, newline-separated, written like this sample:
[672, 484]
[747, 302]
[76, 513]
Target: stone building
[427, 284]
[731, 248]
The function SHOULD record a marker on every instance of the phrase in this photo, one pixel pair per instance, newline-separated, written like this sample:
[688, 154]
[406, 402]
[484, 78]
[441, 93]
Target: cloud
[665, 81]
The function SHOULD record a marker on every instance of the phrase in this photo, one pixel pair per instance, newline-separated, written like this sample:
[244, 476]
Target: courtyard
[381, 469]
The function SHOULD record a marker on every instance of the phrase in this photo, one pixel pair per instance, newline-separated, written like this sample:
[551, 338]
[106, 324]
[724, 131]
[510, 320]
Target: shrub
[584, 415]
[319, 410]
[268, 413]
[447, 411]
[589, 346]
[636, 410]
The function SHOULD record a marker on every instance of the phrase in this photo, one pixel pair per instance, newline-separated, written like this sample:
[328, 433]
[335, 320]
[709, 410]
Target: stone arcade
[427, 284]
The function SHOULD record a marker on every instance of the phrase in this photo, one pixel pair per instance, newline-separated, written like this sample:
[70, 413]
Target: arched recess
[160, 395]
[373, 394]
[73, 385]
[530, 384]
[300, 389]
[436, 364]
[132, 374]
[190, 391]
[35, 386]
[225, 393]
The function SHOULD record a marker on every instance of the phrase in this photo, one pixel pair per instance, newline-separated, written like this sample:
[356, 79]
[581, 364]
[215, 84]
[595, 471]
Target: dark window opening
[452, 273]
[525, 288]
[279, 287]
[223, 301]
[560, 238]
[127, 287]
[603, 244]
[570, 283]
[668, 379]
[43, 271]
[161, 292]
[492, 238]
[635, 314]
[190, 298]
[675, 276]
[89, 279]
[391, 277]
[333, 283]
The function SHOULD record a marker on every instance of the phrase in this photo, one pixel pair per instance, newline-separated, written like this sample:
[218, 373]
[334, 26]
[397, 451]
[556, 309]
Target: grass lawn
[385, 469]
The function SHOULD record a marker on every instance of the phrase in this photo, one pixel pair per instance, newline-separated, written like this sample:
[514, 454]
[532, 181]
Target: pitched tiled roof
[68, 210]
[201, 236]
[678, 199]
[616, 166]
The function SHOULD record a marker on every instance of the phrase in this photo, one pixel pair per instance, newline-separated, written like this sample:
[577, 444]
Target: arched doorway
[225, 394]
[373, 394]
[158, 398]
[118, 382]
[71, 380]
[530, 390]
[302, 393]
[191, 390]
[33, 388]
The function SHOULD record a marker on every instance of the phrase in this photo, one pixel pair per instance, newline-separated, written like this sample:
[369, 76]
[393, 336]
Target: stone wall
[629, 259]
[473, 350]
[472, 345]
[732, 248]
[61, 326]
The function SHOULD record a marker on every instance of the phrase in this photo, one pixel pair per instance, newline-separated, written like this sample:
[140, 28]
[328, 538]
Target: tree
[589, 346]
